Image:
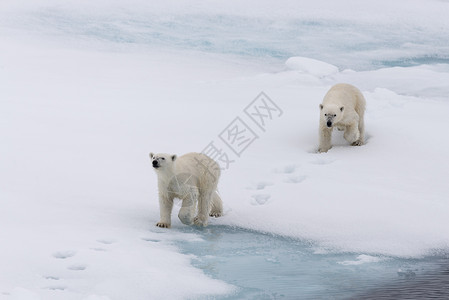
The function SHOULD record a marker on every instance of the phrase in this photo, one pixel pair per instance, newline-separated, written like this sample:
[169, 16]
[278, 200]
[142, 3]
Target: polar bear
[193, 178]
[343, 107]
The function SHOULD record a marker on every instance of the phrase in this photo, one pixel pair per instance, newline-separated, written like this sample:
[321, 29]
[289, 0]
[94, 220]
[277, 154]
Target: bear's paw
[200, 221]
[357, 143]
[163, 225]
[215, 214]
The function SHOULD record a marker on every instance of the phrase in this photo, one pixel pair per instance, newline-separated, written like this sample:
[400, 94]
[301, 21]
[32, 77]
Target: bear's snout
[329, 124]
[155, 164]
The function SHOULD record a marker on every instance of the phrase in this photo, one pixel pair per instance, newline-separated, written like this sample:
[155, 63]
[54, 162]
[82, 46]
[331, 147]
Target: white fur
[344, 106]
[193, 178]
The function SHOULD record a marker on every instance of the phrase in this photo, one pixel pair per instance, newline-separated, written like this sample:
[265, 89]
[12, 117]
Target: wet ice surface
[369, 37]
[431, 285]
[265, 266]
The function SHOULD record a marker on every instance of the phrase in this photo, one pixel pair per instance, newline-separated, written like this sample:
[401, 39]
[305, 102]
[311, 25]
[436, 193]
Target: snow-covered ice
[87, 90]
[362, 259]
[311, 66]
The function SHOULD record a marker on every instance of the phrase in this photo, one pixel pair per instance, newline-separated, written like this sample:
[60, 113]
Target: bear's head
[331, 114]
[162, 161]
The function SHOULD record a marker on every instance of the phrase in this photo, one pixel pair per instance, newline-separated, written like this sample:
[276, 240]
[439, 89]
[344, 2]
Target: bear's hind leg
[188, 208]
[361, 140]
[352, 133]
[217, 206]
[204, 203]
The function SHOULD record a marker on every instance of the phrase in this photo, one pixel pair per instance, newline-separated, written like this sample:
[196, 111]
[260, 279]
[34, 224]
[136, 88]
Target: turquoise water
[264, 266]
[346, 44]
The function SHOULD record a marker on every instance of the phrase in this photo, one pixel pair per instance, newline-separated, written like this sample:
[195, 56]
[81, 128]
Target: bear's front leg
[352, 133]
[325, 139]
[165, 208]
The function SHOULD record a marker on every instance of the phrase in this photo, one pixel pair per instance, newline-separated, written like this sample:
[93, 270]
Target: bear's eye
[335, 115]
[163, 158]
[325, 115]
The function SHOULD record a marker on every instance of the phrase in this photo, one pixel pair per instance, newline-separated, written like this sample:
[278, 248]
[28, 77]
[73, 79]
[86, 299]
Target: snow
[77, 223]
[311, 66]
[81, 109]
[362, 259]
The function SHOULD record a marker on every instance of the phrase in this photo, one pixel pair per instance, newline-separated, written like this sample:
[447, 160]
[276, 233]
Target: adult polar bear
[343, 107]
[193, 178]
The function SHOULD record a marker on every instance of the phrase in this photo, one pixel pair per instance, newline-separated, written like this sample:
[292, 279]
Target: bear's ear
[321, 106]
[151, 155]
[342, 108]
[173, 157]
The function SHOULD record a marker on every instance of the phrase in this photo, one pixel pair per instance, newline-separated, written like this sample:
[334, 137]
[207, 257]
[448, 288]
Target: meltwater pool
[264, 266]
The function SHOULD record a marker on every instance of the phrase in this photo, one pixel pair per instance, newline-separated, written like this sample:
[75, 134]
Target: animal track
[51, 277]
[290, 177]
[58, 284]
[289, 169]
[107, 241]
[64, 254]
[151, 240]
[260, 185]
[77, 267]
[322, 161]
[98, 249]
[295, 179]
[57, 288]
[260, 199]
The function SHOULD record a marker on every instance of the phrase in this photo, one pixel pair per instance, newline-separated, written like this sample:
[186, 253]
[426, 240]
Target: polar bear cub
[343, 107]
[193, 178]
